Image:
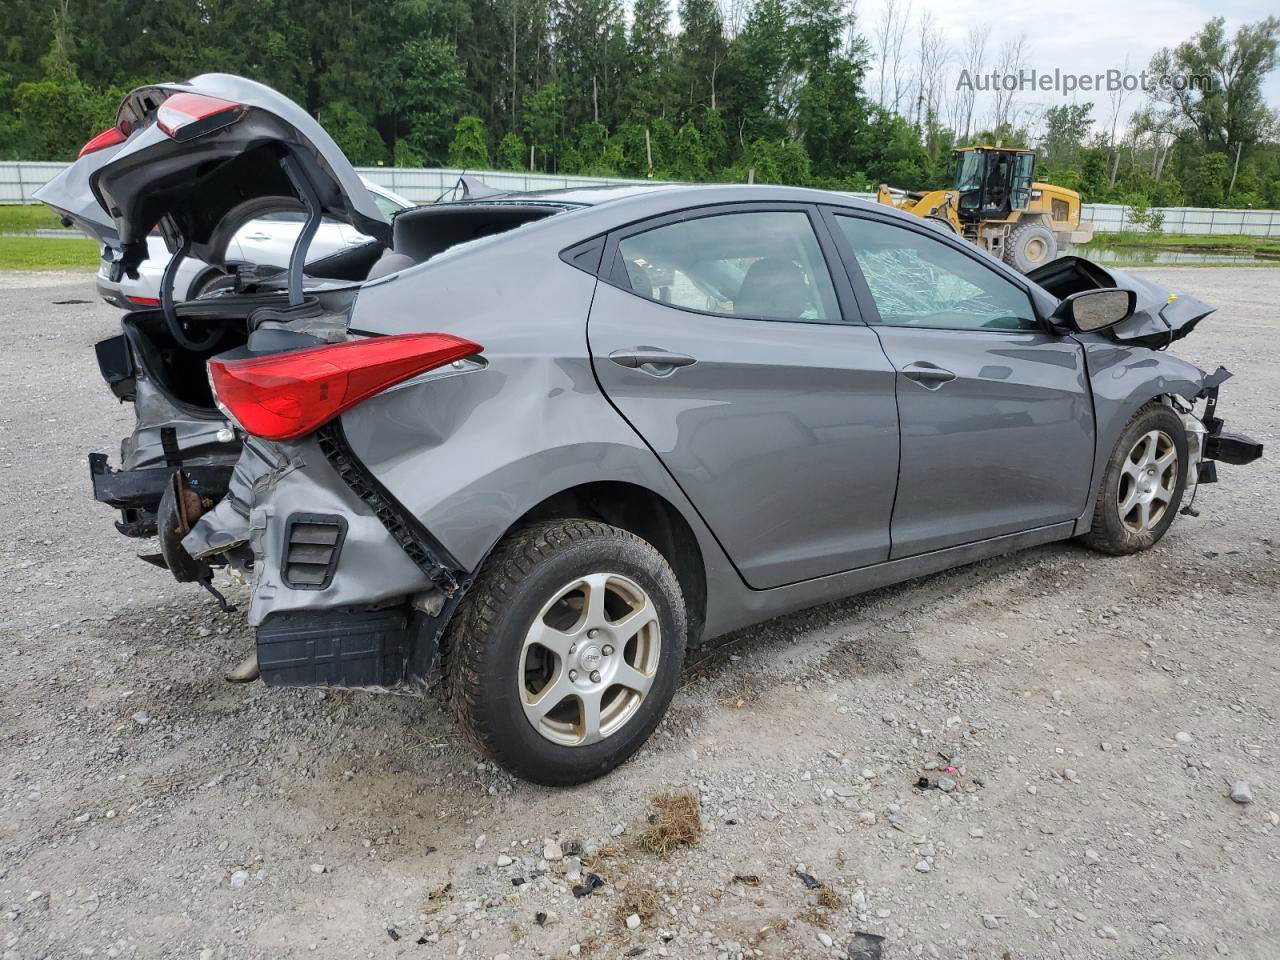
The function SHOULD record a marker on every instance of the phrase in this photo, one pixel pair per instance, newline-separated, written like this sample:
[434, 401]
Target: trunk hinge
[311, 200]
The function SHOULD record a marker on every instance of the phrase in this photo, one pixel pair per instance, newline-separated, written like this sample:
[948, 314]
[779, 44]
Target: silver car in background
[265, 241]
[542, 443]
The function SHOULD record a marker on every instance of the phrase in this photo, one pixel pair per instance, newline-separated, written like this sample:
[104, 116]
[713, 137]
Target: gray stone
[1241, 793]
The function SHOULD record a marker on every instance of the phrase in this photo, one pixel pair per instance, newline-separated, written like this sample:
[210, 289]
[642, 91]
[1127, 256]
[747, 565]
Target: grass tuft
[642, 900]
[675, 822]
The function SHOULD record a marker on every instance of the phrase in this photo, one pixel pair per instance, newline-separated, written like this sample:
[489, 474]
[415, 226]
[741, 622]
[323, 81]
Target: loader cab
[992, 182]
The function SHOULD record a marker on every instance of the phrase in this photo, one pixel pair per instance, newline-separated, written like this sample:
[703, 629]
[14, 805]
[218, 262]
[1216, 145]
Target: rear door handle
[662, 361]
[257, 236]
[927, 374]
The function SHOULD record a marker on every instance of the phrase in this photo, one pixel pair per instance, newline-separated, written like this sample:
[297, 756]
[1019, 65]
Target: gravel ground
[1096, 709]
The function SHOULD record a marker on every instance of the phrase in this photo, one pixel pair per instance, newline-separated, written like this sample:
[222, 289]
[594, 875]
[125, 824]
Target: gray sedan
[548, 442]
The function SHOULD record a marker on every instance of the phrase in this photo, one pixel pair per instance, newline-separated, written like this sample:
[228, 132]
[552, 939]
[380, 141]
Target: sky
[1095, 35]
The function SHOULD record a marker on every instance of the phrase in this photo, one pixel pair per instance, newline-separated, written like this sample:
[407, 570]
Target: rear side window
[760, 265]
[917, 281]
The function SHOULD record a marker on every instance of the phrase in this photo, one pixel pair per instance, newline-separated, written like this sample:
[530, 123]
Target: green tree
[1232, 112]
[690, 161]
[351, 131]
[757, 77]
[544, 122]
[701, 51]
[429, 86]
[1066, 128]
[649, 55]
[470, 147]
[1209, 185]
[513, 153]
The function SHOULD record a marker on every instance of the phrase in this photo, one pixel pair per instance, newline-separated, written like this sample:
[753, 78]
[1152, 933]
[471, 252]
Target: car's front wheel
[565, 654]
[1142, 484]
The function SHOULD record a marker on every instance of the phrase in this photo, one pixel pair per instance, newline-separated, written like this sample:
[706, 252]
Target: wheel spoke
[551, 697]
[1144, 515]
[590, 716]
[1127, 504]
[596, 587]
[635, 621]
[631, 678]
[1148, 449]
[557, 641]
[1163, 463]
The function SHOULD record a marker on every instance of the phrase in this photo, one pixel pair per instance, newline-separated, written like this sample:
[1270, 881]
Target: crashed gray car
[542, 443]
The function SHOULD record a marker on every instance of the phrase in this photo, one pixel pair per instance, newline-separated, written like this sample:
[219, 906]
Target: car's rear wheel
[1143, 483]
[214, 280]
[565, 654]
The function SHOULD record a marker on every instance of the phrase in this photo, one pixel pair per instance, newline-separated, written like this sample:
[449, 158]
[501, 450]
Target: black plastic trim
[134, 489]
[331, 565]
[428, 553]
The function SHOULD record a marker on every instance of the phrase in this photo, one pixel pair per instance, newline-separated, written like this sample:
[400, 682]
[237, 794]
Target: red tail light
[107, 138]
[143, 301]
[289, 395]
[184, 116]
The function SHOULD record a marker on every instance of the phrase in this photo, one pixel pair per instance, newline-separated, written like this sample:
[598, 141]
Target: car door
[995, 410]
[719, 336]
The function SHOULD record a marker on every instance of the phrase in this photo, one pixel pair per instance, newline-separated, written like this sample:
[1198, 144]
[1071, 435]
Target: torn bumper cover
[348, 589]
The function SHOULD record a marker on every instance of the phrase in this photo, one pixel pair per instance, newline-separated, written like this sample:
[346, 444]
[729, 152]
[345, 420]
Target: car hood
[209, 184]
[1160, 315]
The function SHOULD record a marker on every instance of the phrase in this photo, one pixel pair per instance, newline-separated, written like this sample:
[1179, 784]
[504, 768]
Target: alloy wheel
[1148, 479]
[589, 659]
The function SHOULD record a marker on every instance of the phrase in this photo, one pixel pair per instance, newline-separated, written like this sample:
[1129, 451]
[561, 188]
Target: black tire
[483, 647]
[1029, 245]
[214, 280]
[1109, 532]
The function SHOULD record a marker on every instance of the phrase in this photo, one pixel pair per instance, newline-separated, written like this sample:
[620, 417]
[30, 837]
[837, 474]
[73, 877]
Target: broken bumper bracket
[136, 493]
[1233, 448]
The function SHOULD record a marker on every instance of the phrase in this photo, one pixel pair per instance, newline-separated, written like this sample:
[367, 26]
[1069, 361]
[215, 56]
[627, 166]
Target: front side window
[763, 265]
[917, 281]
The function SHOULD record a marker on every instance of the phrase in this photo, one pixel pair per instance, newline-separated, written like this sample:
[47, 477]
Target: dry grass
[433, 900]
[825, 902]
[829, 899]
[675, 822]
[642, 900]
[610, 851]
[739, 692]
[815, 916]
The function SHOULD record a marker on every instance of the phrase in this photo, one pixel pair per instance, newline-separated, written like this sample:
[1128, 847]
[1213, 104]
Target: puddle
[1138, 256]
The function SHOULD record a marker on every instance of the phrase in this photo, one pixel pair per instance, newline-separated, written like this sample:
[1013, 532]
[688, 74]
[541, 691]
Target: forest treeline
[784, 91]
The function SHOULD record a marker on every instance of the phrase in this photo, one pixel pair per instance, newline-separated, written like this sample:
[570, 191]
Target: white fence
[18, 180]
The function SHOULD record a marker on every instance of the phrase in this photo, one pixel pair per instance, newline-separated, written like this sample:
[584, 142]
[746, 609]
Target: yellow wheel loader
[995, 204]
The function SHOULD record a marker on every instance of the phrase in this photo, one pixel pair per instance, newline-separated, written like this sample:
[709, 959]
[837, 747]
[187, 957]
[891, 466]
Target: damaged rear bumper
[348, 589]
[136, 493]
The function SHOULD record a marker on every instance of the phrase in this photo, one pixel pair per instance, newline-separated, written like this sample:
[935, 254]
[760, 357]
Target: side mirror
[1093, 310]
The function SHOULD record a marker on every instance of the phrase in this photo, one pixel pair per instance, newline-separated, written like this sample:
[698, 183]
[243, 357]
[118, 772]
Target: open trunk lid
[1160, 316]
[70, 196]
[202, 158]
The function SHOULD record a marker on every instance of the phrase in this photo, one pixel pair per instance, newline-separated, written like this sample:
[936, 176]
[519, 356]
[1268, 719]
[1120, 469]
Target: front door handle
[660, 362]
[927, 374]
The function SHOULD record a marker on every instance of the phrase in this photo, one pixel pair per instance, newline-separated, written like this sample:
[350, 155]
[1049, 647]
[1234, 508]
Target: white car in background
[265, 241]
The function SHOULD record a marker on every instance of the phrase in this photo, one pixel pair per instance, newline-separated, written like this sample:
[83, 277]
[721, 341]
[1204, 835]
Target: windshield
[969, 170]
